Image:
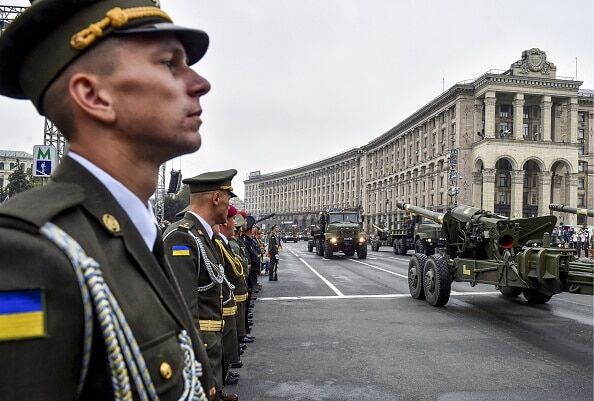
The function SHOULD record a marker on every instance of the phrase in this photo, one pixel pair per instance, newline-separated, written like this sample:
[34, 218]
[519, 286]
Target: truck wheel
[320, 247]
[535, 297]
[420, 247]
[510, 292]
[402, 247]
[362, 251]
[395, 246]
[310, 246]
[327, 251]
[415, 275]
[437, 280]
[374, 247]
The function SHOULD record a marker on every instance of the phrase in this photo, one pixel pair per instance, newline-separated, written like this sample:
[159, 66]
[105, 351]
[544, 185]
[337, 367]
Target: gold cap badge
[111, 223]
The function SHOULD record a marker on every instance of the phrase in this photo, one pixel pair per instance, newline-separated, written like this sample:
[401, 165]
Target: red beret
[232, 211]
[243, 213]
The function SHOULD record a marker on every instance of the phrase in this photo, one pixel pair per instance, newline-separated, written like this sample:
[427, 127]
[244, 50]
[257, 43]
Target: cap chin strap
[115, 18]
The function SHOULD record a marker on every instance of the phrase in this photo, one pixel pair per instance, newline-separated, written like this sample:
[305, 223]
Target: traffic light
[174, 181]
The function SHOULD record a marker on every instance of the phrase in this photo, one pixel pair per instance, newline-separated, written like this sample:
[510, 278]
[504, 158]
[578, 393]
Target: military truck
[383, 237]
[515, 255]
[417, 233]
[339, 230]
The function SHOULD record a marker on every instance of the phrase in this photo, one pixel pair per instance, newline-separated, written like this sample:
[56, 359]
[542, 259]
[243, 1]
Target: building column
[545, 120]
[517, 188]
[572, 122]
[571, 188]
[477, 189]
[488, 189]
[490, 114]
[544, 193]
[518, 104]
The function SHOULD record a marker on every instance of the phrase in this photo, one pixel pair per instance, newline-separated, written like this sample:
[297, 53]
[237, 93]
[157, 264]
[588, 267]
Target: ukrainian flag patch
[21, 315]
[180, 250]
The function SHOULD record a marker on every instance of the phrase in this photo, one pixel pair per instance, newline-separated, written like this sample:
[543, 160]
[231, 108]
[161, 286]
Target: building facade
[509, 141]
[10, 160]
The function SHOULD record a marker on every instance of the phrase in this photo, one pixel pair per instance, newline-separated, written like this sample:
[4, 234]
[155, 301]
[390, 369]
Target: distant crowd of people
[570, 237]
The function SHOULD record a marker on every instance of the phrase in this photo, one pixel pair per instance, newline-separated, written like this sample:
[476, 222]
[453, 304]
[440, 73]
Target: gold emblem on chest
[111, 223]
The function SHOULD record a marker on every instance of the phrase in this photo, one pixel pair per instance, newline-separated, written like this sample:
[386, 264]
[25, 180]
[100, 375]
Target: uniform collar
[141, 215]
[204, 223]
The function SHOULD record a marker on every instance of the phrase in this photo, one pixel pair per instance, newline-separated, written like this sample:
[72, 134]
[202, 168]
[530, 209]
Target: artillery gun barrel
[431, 215]
[568, 209]
[383, 230]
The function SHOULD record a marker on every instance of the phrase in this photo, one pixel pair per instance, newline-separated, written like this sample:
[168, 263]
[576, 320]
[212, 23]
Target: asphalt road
[347, 329]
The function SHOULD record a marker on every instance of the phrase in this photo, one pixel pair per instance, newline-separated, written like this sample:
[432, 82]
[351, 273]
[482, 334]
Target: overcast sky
[294, 81]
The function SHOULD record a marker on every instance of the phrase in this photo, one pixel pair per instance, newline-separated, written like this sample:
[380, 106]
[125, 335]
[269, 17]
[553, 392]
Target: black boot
[270, 278]
[275, 277]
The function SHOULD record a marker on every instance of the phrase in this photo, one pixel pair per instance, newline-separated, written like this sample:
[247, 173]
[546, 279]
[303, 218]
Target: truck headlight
[361, 239]
[428, 239]
[333, 240]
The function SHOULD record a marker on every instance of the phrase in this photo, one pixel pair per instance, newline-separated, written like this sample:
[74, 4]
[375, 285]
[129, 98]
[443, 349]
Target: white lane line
[379, 268]
[376, 296]
[328, 283]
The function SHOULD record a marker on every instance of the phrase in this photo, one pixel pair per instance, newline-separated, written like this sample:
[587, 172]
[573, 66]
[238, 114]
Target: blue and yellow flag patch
[21, 315]
[180, 250]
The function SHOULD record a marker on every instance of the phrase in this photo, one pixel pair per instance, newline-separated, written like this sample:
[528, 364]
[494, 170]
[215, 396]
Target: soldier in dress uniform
[195, 261]
[88, 307]
[274, 245]
[230, 340]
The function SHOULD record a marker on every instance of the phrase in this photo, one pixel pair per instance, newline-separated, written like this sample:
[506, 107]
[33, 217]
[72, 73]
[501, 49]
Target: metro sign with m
[44, 160]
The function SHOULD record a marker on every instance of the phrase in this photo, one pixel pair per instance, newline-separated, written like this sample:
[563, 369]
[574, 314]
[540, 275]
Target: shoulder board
[39, 205]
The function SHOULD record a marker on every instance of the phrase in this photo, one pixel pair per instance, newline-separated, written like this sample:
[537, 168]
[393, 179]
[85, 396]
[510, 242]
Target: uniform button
[165, 370]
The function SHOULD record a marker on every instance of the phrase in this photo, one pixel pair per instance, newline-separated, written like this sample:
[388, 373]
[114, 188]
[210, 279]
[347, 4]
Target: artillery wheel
[535, 297]
[437, 283]
[420, 247]
[401, 246]
[327, 251]
[362, 251]
[510, 292]
[349, 252]
[415, 275]
[310, 246]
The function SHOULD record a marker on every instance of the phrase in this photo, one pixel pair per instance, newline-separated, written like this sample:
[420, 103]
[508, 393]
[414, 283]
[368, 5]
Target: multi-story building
[10, 160]
[509, 141]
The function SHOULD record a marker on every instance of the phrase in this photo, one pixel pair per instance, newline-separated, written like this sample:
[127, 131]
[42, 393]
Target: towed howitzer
[574, 210]
[513, 254]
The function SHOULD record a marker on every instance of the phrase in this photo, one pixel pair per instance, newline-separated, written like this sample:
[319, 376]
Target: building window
[526, 113]
[503, 180]
[526, 130]
[504, 110]
[1, 165]
[582, 117]
[581, 183]
[582, 166]
[503, 197]
[581, 133]
[580, 149]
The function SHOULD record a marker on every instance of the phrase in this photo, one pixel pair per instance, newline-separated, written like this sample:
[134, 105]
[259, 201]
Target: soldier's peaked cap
[212, 181]
[43, 40]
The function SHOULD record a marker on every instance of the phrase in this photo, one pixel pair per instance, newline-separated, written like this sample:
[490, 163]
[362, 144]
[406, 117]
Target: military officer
[274, 245]
[195, 261]
[88, 310]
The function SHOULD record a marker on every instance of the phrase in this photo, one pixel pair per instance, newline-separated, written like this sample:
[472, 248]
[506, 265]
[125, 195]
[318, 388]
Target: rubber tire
[437, 283]
[310, 246]
[395, 246]
[362, 251]
[374, 247]
[420, 247]
[320, 248]
[510, 292]
[535, 297]
[416, 275]
[327, 252]
[402, 247]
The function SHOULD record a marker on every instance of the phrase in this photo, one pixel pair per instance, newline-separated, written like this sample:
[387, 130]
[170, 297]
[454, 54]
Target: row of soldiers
[215, 252]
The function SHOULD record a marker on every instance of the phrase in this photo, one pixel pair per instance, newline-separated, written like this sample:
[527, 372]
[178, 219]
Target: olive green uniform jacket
[190, 270]
[47, 366]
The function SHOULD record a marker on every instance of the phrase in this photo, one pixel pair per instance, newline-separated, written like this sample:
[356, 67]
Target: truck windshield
[343, 217]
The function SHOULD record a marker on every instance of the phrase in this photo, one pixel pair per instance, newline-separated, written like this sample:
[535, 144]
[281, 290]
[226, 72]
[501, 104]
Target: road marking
[363, 296]
[379, 268]
[328, 283]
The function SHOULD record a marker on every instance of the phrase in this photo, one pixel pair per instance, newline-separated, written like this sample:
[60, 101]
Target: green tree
[18, 181]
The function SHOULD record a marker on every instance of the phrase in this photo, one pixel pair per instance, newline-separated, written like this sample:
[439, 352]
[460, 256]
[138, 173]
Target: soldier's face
[156, 96]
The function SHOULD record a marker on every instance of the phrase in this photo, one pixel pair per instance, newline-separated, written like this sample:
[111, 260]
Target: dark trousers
[273, 265]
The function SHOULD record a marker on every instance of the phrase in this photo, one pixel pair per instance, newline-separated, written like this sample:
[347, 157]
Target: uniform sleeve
[41, 319]
[183, 257]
